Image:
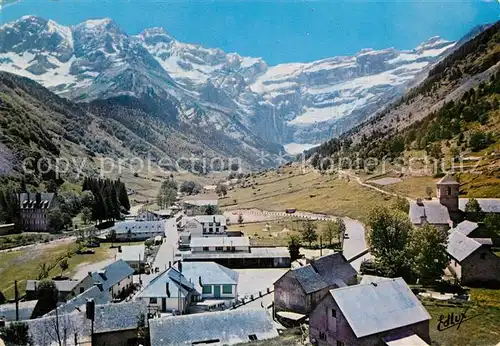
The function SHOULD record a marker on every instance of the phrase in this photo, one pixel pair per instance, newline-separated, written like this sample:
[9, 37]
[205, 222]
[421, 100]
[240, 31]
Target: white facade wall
[171, 303]
[123, 284]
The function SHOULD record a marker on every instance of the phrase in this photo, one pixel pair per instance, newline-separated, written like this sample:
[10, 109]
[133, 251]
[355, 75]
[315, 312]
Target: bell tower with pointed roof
[447, 192]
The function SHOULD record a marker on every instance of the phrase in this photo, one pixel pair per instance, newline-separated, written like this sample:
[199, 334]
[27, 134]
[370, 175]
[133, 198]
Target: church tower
[447, 192]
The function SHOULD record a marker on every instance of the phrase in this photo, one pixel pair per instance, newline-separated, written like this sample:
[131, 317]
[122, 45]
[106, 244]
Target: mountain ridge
[302, 103]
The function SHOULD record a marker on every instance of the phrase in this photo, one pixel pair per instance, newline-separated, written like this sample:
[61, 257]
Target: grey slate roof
[121, 316]
[27, 200]
[448, 179]
[460, 246]
[109, 317]
[334, 266]
[466, 227]
[8, 311]
[112, 274]
[309, 279]
[435, 212]
[178, 285]
[255, 252]
[42, 330]
[78, 302]
[225, 328]
[62, 285]
[378, 307]
[211, 273]
[368, 279]
[488, 205]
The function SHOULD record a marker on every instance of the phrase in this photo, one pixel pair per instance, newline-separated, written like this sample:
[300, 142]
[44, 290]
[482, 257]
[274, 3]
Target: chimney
[167, 289]
[169, 264]
[120, 248]
[199, 281]
[214, 218]
[99, 286]
[420, 202]
[423, 220]
[90, 273]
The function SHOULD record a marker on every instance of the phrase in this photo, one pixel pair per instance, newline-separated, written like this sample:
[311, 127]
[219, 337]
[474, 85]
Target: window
[211, 230]
[449, 190]
[227, 289]
[340, 343]
[322, 336]
[205, 248]
[219, 248]
[334, 313]
[207, 289]
[152, 301]
[252, 337]
[82, 289]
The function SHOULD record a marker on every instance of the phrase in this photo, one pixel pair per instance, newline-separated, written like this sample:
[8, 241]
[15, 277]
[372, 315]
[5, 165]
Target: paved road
[166, 253]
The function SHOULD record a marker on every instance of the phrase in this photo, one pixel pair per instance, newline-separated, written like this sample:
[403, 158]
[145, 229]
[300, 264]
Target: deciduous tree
[309, 234]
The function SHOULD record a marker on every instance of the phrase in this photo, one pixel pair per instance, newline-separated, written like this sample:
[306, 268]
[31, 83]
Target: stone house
[115, 279]
[181, 286]
[138, 230]
[372, 314]
[472, 260]
[35, 208]
[300, 289]
[64, 287]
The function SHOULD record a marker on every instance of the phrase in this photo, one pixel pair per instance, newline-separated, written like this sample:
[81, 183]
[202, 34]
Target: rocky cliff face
[260, 107]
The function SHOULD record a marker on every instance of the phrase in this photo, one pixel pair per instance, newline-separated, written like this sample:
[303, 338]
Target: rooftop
[219, 241]
[139, 226]
[178, 285]
[210, 273]
[219, 328]
[112, 274]
[78, 302]
[433, 211]
[211, 218]
[378, 307]
[448, 179]
[255, 252]
[131, 253]
[121, 316]
[28, 200]
[488, 205]
[368, 279]
[61, 285]
[466, 227]
[8, 311]
[460, 246]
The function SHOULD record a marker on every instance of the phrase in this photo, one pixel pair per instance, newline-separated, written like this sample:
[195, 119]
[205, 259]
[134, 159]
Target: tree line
[110, 199]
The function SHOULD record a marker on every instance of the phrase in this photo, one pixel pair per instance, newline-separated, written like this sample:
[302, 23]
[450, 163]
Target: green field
[484, 329]
[305, 191]
[24, 264]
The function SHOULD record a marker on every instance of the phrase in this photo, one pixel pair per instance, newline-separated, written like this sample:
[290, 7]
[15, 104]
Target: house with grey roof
[64, 287]
[472, 261]
[300, 289]
[228, 327]
[187, 283]
[133, 255]
[220, 244]
[369, 314]
[77, 304]
[25, 309]
[115, 279]
[138, 230]
[432, 212]
[478, 231]
[488, 205]
[255, 257]
[34, 209]
[114, 324]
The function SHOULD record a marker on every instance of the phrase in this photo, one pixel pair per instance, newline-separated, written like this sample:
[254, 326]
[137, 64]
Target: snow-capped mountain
[261, 107]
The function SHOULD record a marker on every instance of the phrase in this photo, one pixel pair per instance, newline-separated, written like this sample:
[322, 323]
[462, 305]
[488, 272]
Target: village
[188, 274]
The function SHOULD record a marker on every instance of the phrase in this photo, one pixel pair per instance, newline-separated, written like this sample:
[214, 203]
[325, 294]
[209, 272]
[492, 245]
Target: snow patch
[298, 148]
